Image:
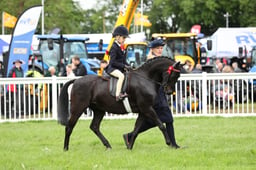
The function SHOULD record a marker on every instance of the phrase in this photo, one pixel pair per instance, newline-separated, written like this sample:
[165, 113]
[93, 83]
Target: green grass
[209, 143]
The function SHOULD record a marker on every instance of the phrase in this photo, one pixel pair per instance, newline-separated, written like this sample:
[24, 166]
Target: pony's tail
[63, 103]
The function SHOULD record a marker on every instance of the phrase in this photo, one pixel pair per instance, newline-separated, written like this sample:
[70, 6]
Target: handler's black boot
[170, 131]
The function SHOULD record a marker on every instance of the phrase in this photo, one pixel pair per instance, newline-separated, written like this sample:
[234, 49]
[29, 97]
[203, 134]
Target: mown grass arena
[208, 143]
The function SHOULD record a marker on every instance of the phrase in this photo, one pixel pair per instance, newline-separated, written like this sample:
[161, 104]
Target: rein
[169, 71]
[146, 78]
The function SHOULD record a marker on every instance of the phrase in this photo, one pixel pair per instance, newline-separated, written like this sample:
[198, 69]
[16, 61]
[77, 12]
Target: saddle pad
[112, 85]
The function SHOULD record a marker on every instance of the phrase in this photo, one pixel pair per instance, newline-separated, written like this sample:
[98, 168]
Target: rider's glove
[128, 68]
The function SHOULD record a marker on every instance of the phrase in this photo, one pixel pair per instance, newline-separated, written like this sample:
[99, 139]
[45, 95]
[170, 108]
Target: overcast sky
[86, 4]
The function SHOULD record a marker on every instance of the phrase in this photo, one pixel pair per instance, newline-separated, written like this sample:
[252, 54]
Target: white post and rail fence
[206, 94]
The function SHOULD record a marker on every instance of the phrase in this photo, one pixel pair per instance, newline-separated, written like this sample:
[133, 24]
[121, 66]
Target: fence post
[204, 92]
[54, 97]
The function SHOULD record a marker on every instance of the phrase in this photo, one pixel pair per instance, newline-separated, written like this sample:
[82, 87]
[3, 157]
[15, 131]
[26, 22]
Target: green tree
[64, 14]
[165, 15]
[207, 13]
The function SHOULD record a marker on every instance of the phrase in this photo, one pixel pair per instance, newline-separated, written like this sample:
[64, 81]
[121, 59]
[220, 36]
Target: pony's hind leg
[69, 128]
[95, 126]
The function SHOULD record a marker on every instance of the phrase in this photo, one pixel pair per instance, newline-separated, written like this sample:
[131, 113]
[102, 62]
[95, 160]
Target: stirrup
[121, 96]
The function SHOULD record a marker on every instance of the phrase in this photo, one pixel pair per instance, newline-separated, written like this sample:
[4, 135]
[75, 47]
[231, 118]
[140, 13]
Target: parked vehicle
[136, 53]
[182, 47]
[58, 50]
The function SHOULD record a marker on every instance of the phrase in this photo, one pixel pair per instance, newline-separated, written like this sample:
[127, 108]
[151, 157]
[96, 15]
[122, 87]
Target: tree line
[165, 15]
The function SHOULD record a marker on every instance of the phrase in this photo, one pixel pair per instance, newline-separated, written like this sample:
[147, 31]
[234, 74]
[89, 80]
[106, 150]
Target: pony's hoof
[126, 140]
[178, 147]
[108, 149]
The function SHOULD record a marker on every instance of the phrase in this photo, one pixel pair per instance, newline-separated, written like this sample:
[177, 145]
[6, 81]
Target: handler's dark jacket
[117, 59]
[80, 70]
[162, 107]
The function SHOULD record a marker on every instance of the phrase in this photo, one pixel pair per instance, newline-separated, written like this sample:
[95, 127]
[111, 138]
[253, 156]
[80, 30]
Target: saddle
[112, 81]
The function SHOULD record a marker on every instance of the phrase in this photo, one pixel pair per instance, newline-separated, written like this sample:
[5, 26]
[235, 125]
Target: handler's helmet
[156, 43]
[120, 30]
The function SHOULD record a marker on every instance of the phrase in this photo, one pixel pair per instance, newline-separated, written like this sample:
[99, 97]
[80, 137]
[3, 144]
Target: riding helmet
[156, 43]
[121, 30]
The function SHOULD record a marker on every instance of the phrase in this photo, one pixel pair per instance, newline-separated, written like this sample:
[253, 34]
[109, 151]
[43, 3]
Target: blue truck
[57, 50]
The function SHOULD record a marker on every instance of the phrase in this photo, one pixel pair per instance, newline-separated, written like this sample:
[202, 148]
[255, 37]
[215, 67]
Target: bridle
[170, 70]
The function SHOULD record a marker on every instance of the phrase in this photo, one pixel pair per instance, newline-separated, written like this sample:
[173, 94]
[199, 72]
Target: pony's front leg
[135, 132]
[95, 127]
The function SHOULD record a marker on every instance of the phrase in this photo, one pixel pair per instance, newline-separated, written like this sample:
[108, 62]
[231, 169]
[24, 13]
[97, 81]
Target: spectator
[195, 85]
[1, 69]
[103, 65]
[52, 71]
[17, 70]
[69, 71]
[188, 66]
[197, 69]
[217, 61]
[1, 75]
[236, 68]
[77, 67]
[16, 90]
[219, 67]
[70, 74]
[180, 93]
[227, 69]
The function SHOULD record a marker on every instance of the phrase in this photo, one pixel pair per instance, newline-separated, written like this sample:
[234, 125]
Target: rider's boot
[121, 96]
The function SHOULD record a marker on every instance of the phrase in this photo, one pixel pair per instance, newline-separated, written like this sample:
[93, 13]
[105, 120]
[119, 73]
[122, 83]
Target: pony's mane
[150, 61]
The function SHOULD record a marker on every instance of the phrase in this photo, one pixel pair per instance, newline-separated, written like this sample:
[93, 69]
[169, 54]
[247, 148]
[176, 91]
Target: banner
[20, 46]
[196, 29]
[141, 19]
[9, 20]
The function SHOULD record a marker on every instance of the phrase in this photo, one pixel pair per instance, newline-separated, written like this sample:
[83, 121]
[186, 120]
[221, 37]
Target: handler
[161, 105]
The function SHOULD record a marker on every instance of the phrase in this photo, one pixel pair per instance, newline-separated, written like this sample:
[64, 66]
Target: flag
[196, 29]
[141, 19]
[20, 46]
[9, 20]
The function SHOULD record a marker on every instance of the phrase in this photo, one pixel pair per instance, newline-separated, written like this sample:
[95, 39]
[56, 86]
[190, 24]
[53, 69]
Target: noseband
[171, 68]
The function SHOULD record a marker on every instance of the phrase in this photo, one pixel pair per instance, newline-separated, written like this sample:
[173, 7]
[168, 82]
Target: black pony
[93, 92]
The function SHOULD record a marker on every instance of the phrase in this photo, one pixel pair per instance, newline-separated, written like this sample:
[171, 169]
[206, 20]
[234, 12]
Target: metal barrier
[215, 94]
[196, 95]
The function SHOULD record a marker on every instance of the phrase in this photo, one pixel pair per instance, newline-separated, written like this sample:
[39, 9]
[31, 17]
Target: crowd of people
[75, 68]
